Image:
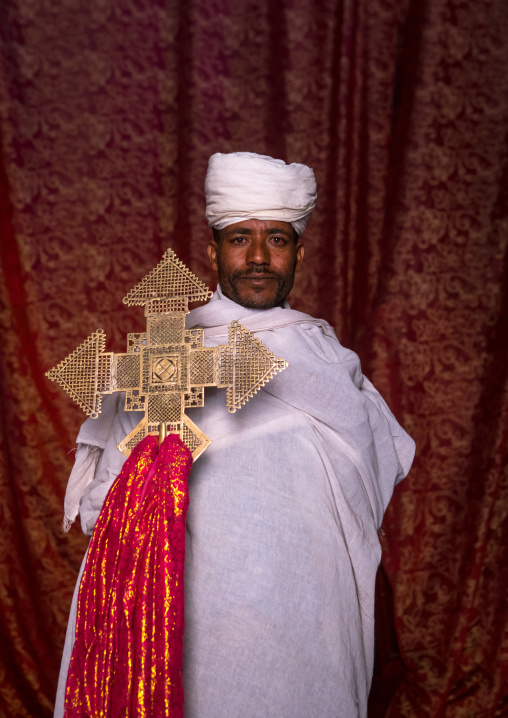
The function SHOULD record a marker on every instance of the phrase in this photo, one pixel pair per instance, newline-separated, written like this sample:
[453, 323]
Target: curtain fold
[108, 114]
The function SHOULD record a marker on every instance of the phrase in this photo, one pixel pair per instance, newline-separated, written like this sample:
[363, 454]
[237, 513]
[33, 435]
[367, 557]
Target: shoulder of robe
[314, 343]
[96, 432]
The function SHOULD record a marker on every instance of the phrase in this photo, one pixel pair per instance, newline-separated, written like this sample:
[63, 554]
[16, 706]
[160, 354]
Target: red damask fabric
[108, 114]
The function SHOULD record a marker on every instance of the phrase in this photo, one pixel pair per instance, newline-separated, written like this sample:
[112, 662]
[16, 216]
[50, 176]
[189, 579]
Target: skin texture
[256, 261]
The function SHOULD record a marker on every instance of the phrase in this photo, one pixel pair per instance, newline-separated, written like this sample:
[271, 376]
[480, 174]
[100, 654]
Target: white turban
[243, 185]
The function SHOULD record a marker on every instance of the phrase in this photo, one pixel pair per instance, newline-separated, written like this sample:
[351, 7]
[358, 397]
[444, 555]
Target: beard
[257, 297]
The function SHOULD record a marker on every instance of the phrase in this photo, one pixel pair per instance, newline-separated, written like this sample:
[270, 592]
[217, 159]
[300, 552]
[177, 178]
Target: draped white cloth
[244, 185]
[282, 543]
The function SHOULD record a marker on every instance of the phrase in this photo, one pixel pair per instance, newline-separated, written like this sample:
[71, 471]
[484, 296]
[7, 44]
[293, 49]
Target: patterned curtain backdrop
[109, 111]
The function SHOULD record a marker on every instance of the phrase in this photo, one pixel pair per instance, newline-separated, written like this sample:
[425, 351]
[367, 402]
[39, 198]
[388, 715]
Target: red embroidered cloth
[127, 658]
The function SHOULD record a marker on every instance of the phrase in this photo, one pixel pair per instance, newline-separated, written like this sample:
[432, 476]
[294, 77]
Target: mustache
[257, 270]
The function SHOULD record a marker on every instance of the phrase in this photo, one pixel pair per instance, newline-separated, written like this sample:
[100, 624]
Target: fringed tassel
[127, 657]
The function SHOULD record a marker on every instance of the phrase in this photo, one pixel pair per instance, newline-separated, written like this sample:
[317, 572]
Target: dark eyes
[274, 240]
[279, 241]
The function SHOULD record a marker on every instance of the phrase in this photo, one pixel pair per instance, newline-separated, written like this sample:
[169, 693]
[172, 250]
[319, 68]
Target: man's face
[256, 261]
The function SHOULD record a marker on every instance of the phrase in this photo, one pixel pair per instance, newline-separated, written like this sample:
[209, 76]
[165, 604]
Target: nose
[258, 252]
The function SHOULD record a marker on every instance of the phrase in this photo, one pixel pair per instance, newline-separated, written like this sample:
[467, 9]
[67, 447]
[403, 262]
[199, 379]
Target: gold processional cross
[166, 369]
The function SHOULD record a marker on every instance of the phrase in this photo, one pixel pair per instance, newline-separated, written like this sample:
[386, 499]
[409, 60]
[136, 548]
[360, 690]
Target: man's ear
[300, 251]
[212, 254]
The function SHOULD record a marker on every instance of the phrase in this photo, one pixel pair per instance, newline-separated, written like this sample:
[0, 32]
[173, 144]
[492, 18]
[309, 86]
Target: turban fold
[244, 185]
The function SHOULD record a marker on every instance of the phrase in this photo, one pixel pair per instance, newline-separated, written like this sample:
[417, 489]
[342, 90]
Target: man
[285, 505]
[256, 261]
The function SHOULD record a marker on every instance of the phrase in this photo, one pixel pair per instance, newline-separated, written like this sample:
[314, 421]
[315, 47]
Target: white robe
[282, 545]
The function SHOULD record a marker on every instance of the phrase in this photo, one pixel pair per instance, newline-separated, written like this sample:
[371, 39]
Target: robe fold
[282, 530]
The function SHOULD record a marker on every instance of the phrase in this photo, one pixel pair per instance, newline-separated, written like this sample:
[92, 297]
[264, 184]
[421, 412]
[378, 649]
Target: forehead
[250, 226]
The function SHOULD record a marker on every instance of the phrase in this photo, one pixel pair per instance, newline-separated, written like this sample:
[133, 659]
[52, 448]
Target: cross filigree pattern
[166, 369]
